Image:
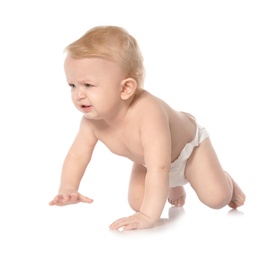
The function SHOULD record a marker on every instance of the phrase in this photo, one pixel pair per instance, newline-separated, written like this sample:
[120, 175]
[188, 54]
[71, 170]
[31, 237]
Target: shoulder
[148, 104]
[148, 108]
[87, 129]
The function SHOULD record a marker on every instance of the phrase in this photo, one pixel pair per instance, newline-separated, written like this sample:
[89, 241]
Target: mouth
[83, 106]
[86, 108]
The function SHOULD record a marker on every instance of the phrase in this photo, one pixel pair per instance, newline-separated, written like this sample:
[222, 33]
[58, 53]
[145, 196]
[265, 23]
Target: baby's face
[95, 85]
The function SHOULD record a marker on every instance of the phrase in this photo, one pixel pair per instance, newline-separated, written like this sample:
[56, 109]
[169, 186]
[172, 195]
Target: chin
[91, 117]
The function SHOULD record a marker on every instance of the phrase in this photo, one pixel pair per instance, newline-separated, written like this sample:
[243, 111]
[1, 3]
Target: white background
[213, 59]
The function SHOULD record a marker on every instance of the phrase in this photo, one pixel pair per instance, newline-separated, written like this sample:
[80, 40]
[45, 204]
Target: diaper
[177, 170]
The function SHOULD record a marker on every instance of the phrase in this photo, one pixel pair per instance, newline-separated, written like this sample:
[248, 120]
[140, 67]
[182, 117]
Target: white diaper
[177, 171]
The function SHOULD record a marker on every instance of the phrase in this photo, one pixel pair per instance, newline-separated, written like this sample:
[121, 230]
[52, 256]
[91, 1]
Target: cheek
[73, 97]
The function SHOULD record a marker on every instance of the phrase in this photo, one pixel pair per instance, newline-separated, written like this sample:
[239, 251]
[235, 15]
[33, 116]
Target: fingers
[124, 224]
[136, 221]
[69, 198]
[85, 199]
[59, 200]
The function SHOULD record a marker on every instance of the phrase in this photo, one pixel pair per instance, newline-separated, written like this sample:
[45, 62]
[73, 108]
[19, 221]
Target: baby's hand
[66, 198]
[136, 221]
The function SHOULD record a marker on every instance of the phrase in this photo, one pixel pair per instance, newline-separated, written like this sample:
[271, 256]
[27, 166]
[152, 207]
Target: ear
[129, 86]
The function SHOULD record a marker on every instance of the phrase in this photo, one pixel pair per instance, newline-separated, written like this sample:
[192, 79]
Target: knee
[218, 200]
[135, 202]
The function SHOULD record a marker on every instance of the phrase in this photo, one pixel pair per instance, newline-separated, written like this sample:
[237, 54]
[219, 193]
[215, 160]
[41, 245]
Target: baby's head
[112, 43]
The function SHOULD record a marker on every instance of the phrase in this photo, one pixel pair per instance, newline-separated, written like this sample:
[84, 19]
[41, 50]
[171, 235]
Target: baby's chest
[123, 144]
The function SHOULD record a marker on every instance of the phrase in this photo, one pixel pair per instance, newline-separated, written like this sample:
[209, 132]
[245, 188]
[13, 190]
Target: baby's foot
[177, 196]
[238, 197]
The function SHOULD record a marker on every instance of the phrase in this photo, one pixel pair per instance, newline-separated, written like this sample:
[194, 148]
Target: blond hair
[112, 43]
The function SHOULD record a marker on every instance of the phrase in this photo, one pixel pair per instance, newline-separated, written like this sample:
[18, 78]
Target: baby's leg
[177, 196]
[137, 186]
[212, 184]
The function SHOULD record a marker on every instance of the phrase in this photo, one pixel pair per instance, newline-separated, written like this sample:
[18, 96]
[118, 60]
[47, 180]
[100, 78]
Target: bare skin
[238, 197]
[145, 130]
[177, 196]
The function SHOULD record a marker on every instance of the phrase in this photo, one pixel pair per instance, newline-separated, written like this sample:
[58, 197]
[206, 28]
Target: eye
[71, 85]
[87, 85]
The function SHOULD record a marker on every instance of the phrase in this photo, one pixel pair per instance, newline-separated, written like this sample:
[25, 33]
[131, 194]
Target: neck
[118, 118]
[119, 115]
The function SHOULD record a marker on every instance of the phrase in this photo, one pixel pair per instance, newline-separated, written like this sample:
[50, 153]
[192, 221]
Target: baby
[168, 148]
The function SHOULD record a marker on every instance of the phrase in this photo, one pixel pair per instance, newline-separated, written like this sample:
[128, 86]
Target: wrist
[67, 190]
[150, 219]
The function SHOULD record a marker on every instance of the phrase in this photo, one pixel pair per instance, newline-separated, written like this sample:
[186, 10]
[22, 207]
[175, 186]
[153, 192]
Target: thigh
[137, 186]
[205, 174]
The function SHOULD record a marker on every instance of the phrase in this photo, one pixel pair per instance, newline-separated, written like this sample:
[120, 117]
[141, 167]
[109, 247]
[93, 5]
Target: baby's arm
[156, 142]
[74, 166]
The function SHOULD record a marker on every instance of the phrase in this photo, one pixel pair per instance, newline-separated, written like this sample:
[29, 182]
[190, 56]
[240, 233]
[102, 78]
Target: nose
[79, 93]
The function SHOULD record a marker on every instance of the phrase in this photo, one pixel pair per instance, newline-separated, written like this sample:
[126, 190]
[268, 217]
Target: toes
[237, 203]
[178, 202]
[233, 205]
